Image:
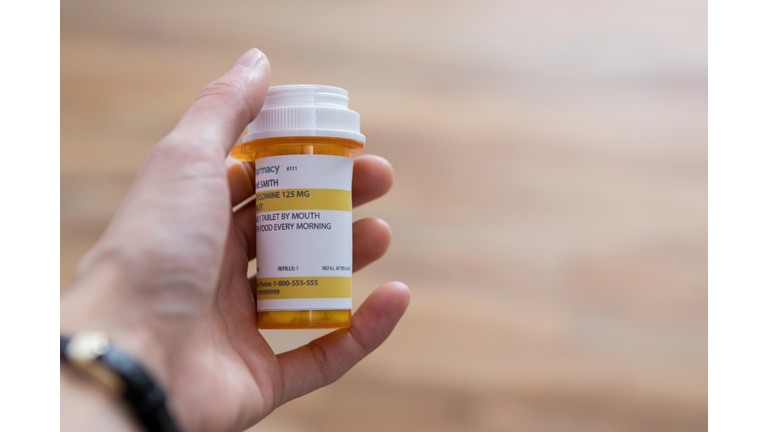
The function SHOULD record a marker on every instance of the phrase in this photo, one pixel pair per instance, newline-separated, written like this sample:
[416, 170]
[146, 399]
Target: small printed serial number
[268, 292]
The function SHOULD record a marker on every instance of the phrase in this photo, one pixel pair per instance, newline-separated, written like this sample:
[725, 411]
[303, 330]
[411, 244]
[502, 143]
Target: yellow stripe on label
[303, 199]
[303, 287]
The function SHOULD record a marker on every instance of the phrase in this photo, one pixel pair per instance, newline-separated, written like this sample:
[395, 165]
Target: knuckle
[323, 362]
[359, 339]
[229, 91]
[225, 87]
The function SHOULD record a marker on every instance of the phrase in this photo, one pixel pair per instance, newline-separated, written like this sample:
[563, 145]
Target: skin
[167, 280]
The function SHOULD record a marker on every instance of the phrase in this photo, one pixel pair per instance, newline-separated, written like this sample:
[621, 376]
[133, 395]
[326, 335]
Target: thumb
[191, 157]
[225, 107]
[180, 198]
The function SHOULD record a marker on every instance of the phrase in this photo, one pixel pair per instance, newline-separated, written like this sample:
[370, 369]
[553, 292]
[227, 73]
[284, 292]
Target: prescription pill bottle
[302, 142]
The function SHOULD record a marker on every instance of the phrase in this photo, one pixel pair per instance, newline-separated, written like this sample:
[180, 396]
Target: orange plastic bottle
[302, 142]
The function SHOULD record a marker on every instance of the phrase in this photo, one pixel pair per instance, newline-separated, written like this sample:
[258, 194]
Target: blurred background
[550, 205]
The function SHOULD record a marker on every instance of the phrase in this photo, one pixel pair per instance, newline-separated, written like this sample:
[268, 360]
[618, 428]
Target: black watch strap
[143, 395]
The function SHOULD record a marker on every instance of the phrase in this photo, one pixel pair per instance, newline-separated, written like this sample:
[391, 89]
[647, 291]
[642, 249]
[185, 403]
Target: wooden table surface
[549, 211]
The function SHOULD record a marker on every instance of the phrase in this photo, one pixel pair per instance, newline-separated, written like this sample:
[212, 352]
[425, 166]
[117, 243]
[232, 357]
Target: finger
[245, 222]
[231, 287]
[370, 241]
[241, 177]
[207, 132]
[372, 177]
[186, 165]
[324, 360]
[225, 106]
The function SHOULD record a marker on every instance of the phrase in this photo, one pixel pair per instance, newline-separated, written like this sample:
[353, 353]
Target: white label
[303, 232]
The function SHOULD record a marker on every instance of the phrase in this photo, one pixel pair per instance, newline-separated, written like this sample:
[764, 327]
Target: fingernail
[250, 58]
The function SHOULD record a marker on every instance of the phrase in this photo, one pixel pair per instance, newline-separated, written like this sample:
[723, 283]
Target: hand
[167, 280]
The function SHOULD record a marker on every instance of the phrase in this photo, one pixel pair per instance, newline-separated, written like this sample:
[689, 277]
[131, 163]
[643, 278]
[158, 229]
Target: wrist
[78, 314]
[85, 407]
[121, 375]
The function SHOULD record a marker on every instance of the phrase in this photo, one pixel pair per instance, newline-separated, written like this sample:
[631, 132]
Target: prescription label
[303, 233]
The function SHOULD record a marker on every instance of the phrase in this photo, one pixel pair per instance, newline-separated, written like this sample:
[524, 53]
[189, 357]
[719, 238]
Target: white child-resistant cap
[306, 110]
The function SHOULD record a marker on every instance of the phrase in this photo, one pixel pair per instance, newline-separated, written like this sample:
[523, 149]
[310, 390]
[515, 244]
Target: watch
[92, 354]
